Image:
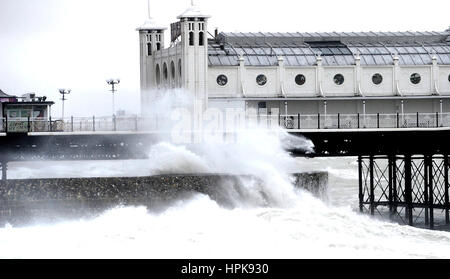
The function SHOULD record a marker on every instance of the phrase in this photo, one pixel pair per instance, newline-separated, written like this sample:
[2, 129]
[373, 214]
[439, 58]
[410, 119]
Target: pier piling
[414, 189]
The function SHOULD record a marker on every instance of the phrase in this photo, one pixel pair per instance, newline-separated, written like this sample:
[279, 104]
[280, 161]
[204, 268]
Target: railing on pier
[364, 121]
[298, 122]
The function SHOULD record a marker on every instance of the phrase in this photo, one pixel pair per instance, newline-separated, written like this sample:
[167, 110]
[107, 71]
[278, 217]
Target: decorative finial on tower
[149, 15]
[150, 23]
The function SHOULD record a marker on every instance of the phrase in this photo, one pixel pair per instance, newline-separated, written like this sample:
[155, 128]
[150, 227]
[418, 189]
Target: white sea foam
[199, 228]
[274, 221]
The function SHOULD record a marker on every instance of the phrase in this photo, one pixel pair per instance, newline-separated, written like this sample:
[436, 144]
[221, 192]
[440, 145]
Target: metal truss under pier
[412, 190]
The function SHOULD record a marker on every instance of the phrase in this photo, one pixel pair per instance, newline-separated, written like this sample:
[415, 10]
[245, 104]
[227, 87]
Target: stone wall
[37, 200]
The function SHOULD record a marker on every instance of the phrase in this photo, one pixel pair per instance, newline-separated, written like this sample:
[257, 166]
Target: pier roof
[336, 49]
[4, 95]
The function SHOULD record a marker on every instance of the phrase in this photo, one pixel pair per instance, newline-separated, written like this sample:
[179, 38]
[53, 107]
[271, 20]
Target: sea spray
[269, 221]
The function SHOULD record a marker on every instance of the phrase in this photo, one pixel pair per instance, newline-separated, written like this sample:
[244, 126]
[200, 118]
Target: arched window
[191, 38]
[158, 75]
[172, 70]
[201, 39]
[149, 49]
[165, 72]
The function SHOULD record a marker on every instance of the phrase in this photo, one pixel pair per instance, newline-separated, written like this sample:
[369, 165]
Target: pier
[403, 159]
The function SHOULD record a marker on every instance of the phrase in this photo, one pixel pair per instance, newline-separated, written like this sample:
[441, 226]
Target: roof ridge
[346, 33]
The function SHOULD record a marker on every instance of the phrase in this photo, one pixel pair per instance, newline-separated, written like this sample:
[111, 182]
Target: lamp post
[113, 83]
[64, 92]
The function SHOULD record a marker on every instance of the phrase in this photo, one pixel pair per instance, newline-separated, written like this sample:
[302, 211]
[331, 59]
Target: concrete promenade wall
[34, 200]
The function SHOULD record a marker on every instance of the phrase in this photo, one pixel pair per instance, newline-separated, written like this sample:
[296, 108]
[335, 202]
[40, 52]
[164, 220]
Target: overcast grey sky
[49, 44]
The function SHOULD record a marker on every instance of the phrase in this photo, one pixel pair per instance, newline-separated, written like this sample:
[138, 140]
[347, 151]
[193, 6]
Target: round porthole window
[222, 80]
[300, 79]
[415, 78]
[377, 79]
[339, 79]
[261, 80]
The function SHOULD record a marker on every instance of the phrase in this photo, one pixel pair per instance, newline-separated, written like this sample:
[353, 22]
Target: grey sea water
[296, 225]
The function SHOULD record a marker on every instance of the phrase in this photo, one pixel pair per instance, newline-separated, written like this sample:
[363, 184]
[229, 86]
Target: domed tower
[194, 41]
[151, 39]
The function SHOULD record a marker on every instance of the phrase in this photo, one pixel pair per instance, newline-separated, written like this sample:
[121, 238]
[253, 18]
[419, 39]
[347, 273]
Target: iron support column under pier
[429, 167]
[361, 195]
[372, 186]
[394, 184]
[426, 189]
[391, 162]
[408, 190]
[447, 217]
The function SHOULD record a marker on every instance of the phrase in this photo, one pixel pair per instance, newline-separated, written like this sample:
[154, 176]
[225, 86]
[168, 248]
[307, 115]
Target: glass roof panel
[349, 59]
[363, 60]
[383, 50]
[437, 49]
[401, 50]
[346, 51]
[340, 60]
[379, 60]
[405, 59]
[214, 60]
[308, 51]
[335, 50]
[369, 59]
[288, 51]
[411, 50]
[426, 58]
[253, 60]
[445, 58]
[233, 60]
[272, 60]
[258, 51]
[392, 49]
[446, 49]
[388, 59]
[311, 60]
[420, 49]
[364, 50]
[267, 51]
[330, 61]
[325, 51]
[290, 61]
[224, 60]
[417, 60]
[278, 51]
[249, 51]
[302, 61]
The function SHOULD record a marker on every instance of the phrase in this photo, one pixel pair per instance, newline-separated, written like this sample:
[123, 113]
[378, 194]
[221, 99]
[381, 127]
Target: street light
[64, 92]
[113, 82]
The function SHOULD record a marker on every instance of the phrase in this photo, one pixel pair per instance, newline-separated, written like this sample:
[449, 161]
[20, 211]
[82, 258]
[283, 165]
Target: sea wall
[25, 201]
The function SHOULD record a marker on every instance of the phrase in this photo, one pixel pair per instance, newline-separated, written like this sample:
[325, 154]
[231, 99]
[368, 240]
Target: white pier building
[298, 73]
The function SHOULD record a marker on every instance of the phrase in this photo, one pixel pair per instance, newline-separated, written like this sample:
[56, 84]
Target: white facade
[384, 73]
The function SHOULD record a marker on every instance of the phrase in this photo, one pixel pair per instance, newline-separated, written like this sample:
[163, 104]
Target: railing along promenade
[295, 122]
